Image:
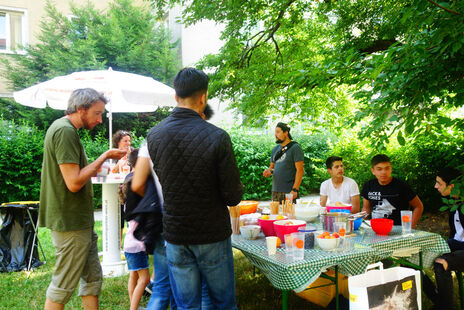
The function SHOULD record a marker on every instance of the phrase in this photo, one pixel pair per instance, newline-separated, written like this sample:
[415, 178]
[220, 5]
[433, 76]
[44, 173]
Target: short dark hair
[449, 174]
[329, 162]
[119, 135]
[380, 158]
[285, 128]
[189, 81]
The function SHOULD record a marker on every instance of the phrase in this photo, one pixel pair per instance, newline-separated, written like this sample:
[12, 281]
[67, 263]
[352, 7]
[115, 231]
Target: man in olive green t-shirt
[66, 205]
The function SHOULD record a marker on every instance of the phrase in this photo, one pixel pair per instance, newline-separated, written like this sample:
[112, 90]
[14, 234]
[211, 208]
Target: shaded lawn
[24, 290]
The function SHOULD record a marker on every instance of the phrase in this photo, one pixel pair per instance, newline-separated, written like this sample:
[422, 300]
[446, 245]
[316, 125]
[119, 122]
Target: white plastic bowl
[307, 212]
[327, 244]
[250, 231]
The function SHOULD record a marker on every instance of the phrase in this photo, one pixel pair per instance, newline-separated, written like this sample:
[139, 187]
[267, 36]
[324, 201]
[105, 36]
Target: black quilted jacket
[196, 166]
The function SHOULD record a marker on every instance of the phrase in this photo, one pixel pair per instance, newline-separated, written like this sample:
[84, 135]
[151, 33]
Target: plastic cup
[340, 228]
[298, 245]
[126, 169]
[288, 244]
[271, 244]
[309, 236]
[289, 197]
[274, 207]
[406, 220]
[235, 219]
[348, 243]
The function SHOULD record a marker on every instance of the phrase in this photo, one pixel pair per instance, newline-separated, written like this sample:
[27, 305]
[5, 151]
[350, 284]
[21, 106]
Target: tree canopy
[125, 37]
[394, 66]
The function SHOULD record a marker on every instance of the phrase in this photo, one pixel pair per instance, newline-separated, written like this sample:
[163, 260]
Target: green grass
[26, 290]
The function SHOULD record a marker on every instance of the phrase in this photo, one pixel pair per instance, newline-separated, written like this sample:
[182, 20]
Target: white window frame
[24, 29]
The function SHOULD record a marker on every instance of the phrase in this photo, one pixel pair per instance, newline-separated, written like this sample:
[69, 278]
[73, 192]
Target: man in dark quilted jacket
[196, 166]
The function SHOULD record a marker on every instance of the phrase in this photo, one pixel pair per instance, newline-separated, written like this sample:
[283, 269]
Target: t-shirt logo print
[374, 195]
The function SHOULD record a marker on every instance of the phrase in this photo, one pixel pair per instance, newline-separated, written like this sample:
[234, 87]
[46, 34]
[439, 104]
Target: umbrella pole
[110, 119]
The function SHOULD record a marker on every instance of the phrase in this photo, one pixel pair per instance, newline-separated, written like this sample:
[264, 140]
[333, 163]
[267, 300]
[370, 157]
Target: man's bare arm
[355, 204]
[417, 210]
[323, 200]
[366, 206]
[75, 178]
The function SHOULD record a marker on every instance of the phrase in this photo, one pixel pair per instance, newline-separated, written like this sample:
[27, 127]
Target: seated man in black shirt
[386, 196]
[442, 297]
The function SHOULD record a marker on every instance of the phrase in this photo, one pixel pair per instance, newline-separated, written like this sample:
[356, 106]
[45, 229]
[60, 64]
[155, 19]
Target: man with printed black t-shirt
[286, 165]
[386, 196]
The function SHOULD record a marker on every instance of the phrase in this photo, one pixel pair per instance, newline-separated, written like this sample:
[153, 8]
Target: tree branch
[442, 7]
[265, 36]
[378, 45]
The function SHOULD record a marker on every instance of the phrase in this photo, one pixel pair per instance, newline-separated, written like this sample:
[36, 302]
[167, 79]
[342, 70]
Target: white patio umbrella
[127, 92]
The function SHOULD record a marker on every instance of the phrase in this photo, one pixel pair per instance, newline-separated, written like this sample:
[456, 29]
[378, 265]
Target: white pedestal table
[112, 265]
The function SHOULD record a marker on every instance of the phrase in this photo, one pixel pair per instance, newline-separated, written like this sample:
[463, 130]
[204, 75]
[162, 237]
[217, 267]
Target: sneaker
[149, 287]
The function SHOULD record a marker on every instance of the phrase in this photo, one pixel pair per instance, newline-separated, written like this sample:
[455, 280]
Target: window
[12, 29]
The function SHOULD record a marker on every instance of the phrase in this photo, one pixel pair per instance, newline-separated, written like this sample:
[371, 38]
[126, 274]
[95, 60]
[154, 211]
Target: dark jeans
[442, 295]
[162, 295]
[193, 266]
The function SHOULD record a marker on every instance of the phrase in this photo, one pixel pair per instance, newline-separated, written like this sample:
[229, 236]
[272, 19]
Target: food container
[357, 223]
[329, 208]
[328, 219]
[284, 227]
[248, 206]
[250, 232]
[308, 230]
[382, 226]
[327, 244]
[267, 225]
[249, 219]
[307, 212]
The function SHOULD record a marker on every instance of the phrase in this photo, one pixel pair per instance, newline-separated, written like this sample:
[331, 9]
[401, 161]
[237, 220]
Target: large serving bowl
[382, 226]
[250, 232]
[284, 227]
[307, 212]
[268, 225]
[327, 244]
[248, 206]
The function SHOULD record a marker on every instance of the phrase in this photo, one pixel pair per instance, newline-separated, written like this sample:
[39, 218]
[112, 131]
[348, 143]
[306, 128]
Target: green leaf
[444, 208]
[401, 139]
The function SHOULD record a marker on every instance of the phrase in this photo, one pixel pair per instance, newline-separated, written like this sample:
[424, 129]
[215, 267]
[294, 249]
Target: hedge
[22, 148]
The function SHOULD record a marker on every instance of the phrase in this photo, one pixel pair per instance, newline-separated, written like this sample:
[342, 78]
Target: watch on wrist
[295, 190]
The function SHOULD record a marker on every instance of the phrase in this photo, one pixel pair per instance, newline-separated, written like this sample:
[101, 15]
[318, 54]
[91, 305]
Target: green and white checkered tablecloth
[288, 274]
[430, 244]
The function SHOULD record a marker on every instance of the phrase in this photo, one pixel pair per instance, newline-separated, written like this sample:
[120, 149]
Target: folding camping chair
[28, 206]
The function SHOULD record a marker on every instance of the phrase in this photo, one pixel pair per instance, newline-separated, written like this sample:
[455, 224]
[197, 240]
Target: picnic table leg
[421, 264]
[336, 288]
[284, 300]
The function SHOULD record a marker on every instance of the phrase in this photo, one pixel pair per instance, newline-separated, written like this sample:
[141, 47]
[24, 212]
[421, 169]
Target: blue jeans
[161, 295]
[193, 266]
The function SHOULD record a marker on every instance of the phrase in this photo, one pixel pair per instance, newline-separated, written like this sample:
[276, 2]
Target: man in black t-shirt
[386, 196]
